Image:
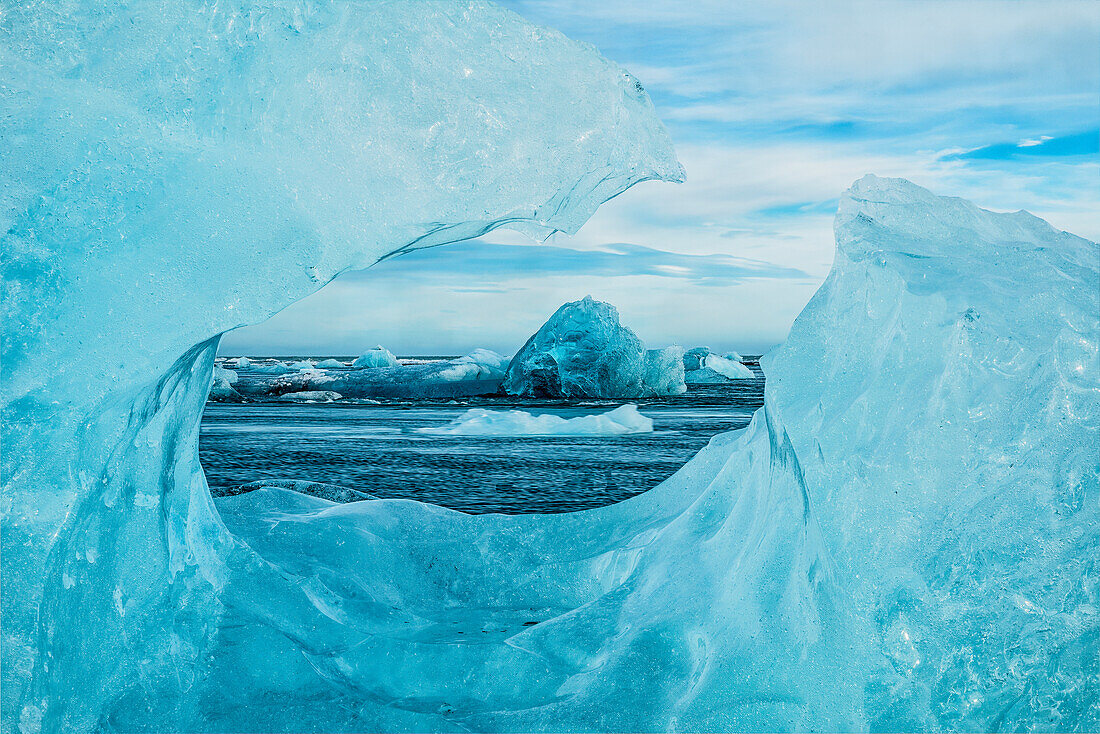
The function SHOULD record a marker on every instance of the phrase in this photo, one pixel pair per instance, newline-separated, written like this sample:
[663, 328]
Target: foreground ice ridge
[172, 170]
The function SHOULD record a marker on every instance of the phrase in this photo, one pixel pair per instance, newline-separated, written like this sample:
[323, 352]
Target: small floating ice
[329, 364]
[480, 422]
[310, 396]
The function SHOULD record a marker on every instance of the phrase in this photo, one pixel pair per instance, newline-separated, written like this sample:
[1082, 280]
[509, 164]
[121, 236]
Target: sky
[775, 108]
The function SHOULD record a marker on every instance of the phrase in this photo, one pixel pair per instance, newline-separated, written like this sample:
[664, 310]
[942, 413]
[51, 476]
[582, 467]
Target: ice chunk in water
[221, 387]
[328, 364]
[583, 351]
[663, 373]
[377, 357]
[480, 422]
[727, 367]
[309, 396]
[693, 358]
[274, 369]
[242, 362]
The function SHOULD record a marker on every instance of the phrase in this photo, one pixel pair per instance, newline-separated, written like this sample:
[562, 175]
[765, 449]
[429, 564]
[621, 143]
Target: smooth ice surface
[582, 351]
[377, 357]
[329, 364]
[728, 368]
[480, 422]
[172, 170]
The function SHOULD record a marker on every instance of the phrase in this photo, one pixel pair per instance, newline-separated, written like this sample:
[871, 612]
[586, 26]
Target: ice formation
[377, 357]
[693, 358]
[221, 387]
[242, 363]
[582, 351]
[330, 364]
[329, 492]
[480, 422]
[728, 368]
[479, 373]
[703, 366]
[231, 158]
[309, 396]
[273, 369]
[904, 538]
[663, 371]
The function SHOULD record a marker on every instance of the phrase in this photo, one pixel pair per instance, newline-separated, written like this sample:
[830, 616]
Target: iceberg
[663, 371]
[377, 357]
[462, 377]
[694, 357]
[702, 367]
[224, 376]
[273, 369]
[232, 158]
[309, 396]
[582, 351]
[728, 368]
[221, 387]
[302, 365]
[480, 422]
[242, 363]
[330, 364]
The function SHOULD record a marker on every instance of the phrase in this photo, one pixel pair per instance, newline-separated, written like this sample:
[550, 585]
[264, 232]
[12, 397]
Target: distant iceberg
[582, 351]
[330, 364]
[277, 368]
[377, 357]
[703, 366]
[221, 387]
[478, 373]
[309, 396]
[480, 422]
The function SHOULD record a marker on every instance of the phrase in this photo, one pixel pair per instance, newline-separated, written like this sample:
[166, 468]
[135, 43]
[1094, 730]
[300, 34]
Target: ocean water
[374, 448]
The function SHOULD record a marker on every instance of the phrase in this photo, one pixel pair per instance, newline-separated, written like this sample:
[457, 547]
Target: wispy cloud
[477, 262]
[1045, 146]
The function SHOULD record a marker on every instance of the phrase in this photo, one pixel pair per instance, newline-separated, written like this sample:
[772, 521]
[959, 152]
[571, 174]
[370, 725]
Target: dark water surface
[374, 449]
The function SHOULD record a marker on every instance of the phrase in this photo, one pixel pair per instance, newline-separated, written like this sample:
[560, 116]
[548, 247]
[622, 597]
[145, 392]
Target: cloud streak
[477, 264]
